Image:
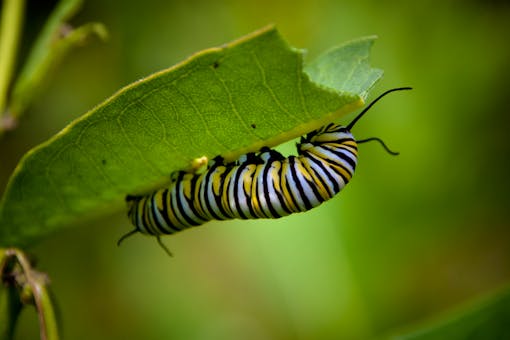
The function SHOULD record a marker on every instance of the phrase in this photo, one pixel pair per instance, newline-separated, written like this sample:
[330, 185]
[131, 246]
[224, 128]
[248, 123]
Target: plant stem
[32, 289]
[10, 29]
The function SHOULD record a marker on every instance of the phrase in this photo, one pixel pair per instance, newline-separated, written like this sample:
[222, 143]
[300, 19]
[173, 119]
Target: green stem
[10, 29]
[33, 290]
[10, 303]
[38, 285]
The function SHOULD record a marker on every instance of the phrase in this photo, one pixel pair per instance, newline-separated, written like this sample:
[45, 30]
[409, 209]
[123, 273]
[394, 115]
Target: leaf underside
[222, 101]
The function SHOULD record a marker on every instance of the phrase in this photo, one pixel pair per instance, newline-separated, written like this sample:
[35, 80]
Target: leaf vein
[269, 89]
[200, 115]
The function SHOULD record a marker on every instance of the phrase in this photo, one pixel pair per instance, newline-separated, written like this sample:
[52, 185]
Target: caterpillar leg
[130, 198]
[174, 176]
[197, 166]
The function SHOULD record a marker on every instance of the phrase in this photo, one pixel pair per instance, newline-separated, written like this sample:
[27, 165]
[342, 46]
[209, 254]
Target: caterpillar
[258, 185]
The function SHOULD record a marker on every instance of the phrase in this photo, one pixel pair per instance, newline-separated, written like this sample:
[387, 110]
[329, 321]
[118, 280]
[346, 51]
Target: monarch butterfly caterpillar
[258, 185]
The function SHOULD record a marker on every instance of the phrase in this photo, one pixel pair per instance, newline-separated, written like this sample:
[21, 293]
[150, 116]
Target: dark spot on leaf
[103, 161]
[216, 64]
[253, 126]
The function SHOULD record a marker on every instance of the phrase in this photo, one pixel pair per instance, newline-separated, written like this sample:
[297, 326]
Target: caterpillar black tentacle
[258, 185]
[376, 139]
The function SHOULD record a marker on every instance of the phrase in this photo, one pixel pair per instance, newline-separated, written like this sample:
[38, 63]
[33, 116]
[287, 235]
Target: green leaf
[222, 101]
[339, 70]
[486, 319]
[52, 44]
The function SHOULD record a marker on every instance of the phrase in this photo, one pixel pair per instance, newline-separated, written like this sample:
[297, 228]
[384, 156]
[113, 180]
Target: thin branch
[10, 30]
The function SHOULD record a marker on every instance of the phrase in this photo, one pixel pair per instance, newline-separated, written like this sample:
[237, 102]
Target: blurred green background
[411, 237]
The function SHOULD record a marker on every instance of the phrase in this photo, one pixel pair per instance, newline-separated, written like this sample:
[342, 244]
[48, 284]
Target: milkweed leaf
[225, 101]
